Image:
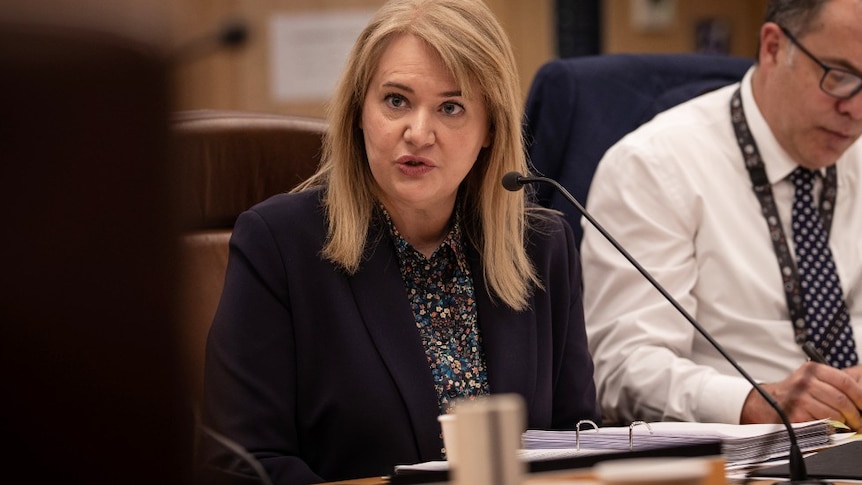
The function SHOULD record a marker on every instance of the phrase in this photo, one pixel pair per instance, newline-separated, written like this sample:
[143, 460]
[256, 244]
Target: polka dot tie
[827, 320]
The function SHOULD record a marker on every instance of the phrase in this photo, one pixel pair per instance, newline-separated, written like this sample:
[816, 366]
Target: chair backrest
[228, 161]
[578, 107]
[224, 163]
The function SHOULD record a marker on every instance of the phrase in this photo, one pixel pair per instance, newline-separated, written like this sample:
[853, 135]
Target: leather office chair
[578, 107]
[224, 163]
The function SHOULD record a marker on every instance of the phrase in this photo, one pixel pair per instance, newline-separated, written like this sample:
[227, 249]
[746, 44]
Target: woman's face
[422, 136]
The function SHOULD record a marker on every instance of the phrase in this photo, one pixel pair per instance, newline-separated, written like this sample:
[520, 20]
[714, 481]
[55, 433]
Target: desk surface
[585, 475]
[717, 476]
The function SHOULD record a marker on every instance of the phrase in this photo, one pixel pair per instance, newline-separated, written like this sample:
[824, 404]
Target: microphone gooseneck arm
[514, 181]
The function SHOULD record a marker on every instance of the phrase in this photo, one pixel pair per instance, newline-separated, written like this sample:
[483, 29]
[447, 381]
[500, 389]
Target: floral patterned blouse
[442, 295]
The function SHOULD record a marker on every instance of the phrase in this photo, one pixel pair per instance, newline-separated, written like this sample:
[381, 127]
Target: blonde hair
[475, 49]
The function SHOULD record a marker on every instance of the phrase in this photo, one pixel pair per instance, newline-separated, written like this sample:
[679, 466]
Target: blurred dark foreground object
[93, 386]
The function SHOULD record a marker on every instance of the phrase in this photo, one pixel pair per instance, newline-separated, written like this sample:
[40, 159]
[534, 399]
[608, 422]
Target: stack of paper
[747, 443]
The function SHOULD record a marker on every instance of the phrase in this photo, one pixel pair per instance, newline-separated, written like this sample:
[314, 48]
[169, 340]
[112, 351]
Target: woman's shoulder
[547, 229]
[288, 214]
[544, 220]
[291, 204]
[291, 219]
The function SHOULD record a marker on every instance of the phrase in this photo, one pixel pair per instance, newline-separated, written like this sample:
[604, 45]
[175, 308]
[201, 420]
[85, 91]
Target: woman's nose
[420, 129]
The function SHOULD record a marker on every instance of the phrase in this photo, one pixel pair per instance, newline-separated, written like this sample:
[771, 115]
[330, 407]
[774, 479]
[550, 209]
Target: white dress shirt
[678, 197]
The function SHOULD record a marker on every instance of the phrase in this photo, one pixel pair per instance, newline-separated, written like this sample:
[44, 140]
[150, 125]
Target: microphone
[213, 475]
[233, 33]
[514, 181]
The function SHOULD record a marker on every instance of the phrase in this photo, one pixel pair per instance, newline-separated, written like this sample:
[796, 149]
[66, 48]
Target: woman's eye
[395, 100]
[452, 108]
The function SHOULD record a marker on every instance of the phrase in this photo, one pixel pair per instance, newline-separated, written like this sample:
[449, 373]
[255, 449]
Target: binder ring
[578, 431]
[631, 432]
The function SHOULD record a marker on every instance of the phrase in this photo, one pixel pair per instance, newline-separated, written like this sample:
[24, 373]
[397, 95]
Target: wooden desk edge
[716, 475]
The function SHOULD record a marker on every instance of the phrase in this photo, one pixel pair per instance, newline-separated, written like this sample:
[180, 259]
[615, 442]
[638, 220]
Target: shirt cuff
[722, 398]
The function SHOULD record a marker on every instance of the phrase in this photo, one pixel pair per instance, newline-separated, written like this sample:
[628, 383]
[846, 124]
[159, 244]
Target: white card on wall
[307, 51]
[652, 15]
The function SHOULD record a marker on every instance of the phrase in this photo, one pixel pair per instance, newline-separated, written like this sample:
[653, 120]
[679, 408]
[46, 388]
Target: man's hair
[798, 16]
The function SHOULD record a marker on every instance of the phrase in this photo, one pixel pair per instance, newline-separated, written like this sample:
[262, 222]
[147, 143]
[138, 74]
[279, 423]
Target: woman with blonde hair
[402, 276]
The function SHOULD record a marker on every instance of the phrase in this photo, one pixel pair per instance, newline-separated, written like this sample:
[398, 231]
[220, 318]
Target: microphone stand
[798, 475]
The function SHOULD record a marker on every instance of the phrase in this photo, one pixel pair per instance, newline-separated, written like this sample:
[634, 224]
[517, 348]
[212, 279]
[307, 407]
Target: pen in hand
[813, 353]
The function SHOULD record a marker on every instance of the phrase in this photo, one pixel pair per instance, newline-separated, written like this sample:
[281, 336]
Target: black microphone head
[512, 181]
[234, 33]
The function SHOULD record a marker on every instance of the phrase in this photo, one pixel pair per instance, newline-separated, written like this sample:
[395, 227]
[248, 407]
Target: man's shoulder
[693, 125]
[696, 113]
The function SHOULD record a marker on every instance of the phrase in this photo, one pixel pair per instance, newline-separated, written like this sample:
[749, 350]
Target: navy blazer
[322, 376]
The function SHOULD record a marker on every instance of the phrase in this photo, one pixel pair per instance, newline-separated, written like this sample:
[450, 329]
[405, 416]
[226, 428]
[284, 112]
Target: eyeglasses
[836, 82]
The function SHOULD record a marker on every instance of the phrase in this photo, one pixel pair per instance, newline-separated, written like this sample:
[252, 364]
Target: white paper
[308, 51]
[748, 443]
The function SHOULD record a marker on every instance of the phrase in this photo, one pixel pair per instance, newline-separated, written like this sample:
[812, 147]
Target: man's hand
[813, 391]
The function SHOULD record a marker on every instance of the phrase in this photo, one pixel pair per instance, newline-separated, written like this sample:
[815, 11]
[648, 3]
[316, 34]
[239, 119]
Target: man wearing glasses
[746, 205]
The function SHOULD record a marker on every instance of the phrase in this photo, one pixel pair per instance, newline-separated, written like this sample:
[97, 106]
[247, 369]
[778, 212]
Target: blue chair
[578, 107]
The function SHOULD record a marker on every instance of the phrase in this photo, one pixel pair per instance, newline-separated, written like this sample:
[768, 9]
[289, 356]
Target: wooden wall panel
[743, 17]
[241, 79]
[530, 25]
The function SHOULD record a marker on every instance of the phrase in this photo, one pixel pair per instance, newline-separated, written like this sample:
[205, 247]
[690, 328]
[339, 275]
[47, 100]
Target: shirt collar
[777, 162]
[453, 239]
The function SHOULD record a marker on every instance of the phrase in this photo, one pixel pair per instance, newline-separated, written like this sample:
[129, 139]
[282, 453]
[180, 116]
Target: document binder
[741, 443]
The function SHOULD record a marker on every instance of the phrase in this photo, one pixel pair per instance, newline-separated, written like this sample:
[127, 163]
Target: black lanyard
[763, 191]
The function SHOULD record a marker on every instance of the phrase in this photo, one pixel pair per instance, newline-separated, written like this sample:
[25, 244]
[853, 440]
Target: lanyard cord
[763, 191]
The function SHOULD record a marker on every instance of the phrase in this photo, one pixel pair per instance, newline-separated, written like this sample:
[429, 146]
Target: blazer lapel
[509, 339]
[385, 310]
